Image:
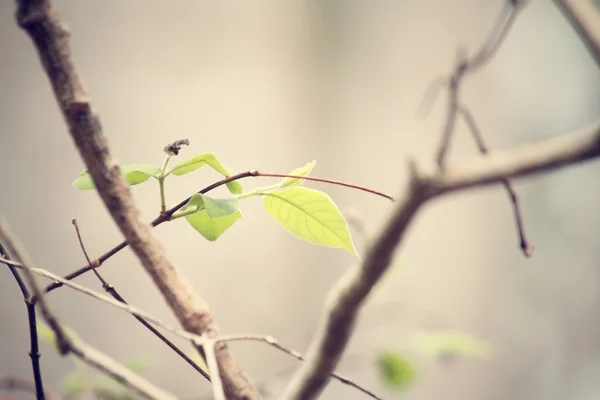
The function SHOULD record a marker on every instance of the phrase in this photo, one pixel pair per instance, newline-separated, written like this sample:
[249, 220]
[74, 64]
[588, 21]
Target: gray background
[270, 85]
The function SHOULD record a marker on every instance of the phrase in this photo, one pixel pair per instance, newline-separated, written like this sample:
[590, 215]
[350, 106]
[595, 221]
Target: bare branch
[584, 16]
[466, 66]
[524, 244]
[41, 21]
[68, 344]
[349, 293]
[34, 352]
[113, 292]
[199, 340]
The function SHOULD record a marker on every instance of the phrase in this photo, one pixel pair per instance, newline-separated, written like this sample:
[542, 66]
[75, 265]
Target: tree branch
[69, 344]
[584, 16]
[34, 353]
[41, 21]
[108, 288]
[426, 183]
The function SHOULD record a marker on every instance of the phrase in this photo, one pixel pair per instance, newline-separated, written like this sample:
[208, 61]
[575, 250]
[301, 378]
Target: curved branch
[427, 182]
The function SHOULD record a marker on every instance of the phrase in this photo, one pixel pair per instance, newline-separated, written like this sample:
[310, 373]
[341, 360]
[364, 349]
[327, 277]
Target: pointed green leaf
[396, 370]
[309, 214]
[303, 171]
[199, 161]
[134, 175]
[452, 343]
[212, 228]
[215, 208]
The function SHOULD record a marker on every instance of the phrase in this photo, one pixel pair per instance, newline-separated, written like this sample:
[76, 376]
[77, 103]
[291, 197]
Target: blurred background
[271, 85]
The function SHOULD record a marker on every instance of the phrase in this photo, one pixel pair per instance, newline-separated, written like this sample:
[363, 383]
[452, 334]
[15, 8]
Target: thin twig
[426, 183]
[465, 66]
[113, 292]
[275, 343]
[34, 353]
[213, 367]
[183, 334]
[584, 16]
[524, 244]
[68, 344]
[166, 217]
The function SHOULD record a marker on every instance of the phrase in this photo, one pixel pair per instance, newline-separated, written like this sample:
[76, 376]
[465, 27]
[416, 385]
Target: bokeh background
[271, 85]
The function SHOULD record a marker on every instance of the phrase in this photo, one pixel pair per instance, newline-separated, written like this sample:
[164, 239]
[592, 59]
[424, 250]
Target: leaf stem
[161, 182]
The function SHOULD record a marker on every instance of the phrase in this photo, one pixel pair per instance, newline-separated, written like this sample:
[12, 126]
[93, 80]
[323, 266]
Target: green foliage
[303, 171]
[134, 174]
[452, 343]
[211, 217]
[396, 370]
[193, 163]
[310, 215]
[307, 213]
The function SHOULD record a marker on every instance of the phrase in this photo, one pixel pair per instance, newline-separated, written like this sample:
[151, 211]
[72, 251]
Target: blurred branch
[427, 182]
[524, 244]
[50, 37]
[69, 344]
[193, 338]
[34, 353]
[11, 383]
[584, 16]
[113, 292]
[463, 67]
[466, 66]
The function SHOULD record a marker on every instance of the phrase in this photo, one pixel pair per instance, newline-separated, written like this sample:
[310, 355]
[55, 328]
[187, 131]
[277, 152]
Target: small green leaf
[134, 175]
[303, 171]
[215, 208]
[310, 215]
[212, 228]
[452, 343]
[199, 161]
[75, 383]
[396, 370]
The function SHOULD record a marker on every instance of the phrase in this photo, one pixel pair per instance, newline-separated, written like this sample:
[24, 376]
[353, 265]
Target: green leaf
[310, 215]
[134, 175]
[212, 228]
[75, 383]
[396, 370]
[452, 343]
[215, 208]
[303, 171]
[199, 161]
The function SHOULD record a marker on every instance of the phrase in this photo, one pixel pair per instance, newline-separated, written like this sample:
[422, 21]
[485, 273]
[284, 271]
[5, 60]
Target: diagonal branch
[34, 353]
[199, 340]
[466, 66]
[584, 16]
[41, 21]
[69, 344]
[524, 244]
[108, 288]
[427, 182]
